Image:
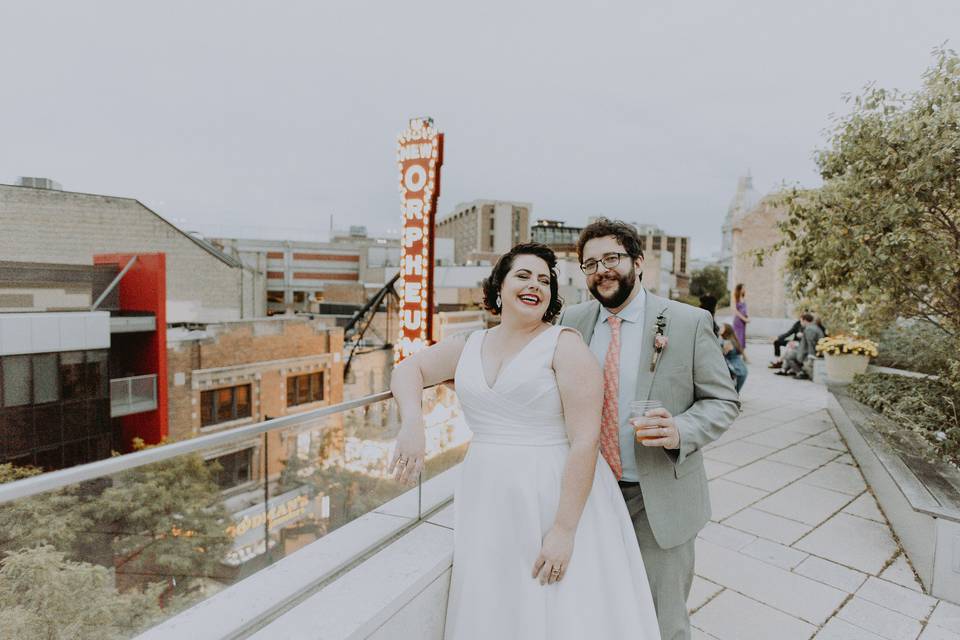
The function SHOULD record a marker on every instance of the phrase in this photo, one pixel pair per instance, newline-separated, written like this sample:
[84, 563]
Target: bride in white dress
[543, 545]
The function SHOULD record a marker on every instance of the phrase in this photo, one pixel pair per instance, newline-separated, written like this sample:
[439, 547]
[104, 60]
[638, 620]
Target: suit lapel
[653, 307]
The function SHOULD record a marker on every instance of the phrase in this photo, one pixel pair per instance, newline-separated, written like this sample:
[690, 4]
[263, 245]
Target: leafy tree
[53, 518]
[710, 280]
[881, 239]
[46, 596]
[162, 524]
[168, 519]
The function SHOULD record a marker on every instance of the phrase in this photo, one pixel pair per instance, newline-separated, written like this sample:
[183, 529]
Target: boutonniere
[659, 341]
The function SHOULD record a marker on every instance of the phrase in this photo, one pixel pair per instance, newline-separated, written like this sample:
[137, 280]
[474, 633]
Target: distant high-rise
[484, 229]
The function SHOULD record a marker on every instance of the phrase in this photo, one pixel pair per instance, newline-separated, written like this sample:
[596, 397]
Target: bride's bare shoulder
[573, 351]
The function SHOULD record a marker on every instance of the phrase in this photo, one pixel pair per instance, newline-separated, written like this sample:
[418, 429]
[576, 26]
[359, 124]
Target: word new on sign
[419, 156]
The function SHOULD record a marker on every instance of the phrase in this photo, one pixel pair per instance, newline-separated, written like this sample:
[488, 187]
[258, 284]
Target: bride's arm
[426, 368]
[581, 391]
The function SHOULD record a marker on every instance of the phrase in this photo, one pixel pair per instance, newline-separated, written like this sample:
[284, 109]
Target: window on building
[299, 296]
[235, 468]
[656, 243]
[224, 405]
[71, 375]
[96, 376]
[275, 296]
[46, 386]
[54, 409]
[304, 388]
[16, 381]
[671, 244]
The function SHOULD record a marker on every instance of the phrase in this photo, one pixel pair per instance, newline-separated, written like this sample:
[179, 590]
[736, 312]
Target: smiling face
[526, 288]
[611, 287]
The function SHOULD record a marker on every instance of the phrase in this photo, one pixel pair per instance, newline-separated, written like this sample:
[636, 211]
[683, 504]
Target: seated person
[794, 360]
[734, 355]
[794, 333]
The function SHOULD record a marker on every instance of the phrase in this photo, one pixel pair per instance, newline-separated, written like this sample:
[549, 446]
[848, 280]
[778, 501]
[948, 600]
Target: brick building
[767, 300]
[51, 226]
[232, 374]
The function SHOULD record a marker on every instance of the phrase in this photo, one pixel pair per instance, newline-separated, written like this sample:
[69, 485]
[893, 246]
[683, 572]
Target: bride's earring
[499, 303]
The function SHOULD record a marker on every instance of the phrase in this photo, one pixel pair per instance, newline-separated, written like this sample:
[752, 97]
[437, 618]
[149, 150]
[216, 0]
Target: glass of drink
[639, 409]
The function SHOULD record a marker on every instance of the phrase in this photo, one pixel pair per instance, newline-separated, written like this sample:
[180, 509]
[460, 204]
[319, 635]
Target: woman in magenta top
[740, 316]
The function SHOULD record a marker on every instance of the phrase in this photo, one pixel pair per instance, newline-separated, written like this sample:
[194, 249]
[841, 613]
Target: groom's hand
[657, 429]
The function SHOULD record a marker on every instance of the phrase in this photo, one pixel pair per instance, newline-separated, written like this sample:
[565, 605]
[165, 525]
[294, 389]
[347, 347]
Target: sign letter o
[415, 178]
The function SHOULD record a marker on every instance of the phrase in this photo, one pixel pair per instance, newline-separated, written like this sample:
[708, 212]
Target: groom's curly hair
[626, 234]
[491, 285]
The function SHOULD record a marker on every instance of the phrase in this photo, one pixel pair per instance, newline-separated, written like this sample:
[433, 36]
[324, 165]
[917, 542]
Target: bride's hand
[407, 462]
[554, 553]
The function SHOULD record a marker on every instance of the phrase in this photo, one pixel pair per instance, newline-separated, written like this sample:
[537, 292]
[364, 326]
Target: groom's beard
[625, 285]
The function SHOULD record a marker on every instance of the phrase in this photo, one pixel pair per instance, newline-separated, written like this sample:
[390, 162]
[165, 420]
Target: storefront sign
[250, 526]
[419, 156]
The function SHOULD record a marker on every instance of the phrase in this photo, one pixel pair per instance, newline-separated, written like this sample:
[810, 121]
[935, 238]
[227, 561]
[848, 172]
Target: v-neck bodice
[523, 405]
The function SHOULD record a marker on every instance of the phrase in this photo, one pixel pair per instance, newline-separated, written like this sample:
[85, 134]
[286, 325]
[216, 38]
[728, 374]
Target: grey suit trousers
[669, 571]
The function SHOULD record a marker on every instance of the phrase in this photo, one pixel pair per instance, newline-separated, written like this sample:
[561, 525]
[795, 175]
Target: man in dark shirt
[794, 333]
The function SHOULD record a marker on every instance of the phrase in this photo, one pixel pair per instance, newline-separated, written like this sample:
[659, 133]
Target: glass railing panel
[113, 556]
[143, 389]
[120, 392]
[447, 437]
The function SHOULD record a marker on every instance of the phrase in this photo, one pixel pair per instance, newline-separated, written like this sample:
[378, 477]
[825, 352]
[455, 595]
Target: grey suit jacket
[692, 381]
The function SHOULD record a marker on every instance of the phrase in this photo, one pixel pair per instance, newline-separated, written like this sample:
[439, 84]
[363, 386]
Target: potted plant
[846, 356]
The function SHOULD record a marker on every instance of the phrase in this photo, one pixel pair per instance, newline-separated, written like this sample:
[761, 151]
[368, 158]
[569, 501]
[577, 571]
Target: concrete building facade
[768, 303]
[482, 230]
[745, 198]
[51, 226]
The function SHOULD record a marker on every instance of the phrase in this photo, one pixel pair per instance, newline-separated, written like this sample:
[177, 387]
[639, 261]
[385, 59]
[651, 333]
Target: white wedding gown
[506, 500]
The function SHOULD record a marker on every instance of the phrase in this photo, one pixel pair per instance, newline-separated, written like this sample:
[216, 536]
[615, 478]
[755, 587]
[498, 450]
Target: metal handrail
[53, 480]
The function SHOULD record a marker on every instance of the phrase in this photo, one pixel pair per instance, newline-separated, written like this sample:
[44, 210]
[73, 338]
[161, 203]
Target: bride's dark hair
[491, 286]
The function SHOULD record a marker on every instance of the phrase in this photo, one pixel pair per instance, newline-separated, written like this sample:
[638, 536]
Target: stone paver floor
[797, 547]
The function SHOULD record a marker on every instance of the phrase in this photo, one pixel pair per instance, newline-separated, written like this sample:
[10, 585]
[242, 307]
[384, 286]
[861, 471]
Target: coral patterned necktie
[610, 416]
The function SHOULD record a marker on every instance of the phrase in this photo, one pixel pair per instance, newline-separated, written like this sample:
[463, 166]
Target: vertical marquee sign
[419, 156]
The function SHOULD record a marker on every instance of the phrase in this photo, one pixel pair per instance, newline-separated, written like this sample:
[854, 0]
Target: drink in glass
[639, 409]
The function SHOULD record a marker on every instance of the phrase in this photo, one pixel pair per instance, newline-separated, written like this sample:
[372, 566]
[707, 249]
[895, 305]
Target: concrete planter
[842, 367]
[920, 498]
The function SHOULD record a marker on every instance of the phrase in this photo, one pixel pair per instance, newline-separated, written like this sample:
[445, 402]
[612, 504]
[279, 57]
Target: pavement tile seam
[708, 600]
[770, 606]
[816, 526]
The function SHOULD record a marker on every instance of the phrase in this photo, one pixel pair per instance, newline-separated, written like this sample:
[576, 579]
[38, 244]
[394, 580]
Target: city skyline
[268, 120]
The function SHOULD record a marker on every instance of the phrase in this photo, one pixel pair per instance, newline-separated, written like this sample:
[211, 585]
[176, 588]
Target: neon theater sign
[419, 156]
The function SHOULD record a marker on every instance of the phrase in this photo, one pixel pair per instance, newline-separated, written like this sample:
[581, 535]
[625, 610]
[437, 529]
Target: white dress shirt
[631, 343]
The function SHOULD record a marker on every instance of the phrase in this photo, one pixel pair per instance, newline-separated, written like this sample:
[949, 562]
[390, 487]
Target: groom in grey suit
[652, 348]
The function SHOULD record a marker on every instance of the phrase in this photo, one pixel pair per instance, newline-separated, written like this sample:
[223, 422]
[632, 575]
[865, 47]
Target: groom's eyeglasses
[610, 261]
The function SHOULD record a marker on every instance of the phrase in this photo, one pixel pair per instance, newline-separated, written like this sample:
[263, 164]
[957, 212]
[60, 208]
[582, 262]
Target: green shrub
[915, 346]
[927, 406]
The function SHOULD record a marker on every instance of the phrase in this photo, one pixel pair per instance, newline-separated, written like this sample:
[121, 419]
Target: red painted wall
[144, 288]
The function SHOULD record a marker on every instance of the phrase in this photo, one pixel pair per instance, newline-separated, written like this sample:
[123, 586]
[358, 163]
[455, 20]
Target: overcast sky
[261, 119]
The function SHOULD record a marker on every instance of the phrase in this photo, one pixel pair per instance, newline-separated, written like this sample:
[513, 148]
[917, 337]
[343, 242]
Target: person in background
[794, 359]
[740, 317]
[733, 352]
[709, 303]
[794, 333]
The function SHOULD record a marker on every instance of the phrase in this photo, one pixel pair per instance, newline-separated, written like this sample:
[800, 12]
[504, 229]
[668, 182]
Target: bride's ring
[402, 462]
[555, 572]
